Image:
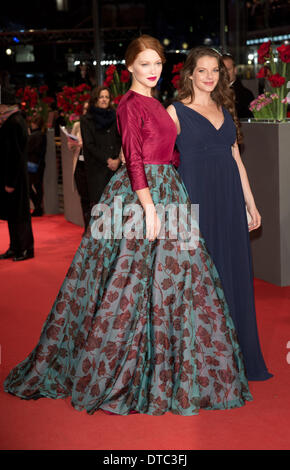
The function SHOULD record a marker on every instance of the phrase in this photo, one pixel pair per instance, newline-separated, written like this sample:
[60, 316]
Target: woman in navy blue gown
[216, 179]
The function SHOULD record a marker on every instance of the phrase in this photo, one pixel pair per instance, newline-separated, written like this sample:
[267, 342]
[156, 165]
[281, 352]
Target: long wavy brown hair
[223, 95]
[96, 95]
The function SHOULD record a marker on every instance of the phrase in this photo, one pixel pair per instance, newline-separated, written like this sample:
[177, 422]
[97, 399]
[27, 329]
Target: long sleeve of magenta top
[148, 135]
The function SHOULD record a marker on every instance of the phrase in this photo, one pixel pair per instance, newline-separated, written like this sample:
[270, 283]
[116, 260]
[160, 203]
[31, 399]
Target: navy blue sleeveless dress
[212, 179]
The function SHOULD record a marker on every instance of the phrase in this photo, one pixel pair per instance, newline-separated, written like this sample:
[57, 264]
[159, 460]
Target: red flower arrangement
[176, 74]
[34, 102]
[284, 53]
[276, 71]
[109, 75]
[71, 100]
[264, 72]
[118, 83]
[125, 76]
[264, 52]
[29, 99]
[177, 67]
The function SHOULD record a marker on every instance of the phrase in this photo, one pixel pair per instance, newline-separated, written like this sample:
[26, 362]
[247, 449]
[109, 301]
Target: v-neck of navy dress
[212, 179]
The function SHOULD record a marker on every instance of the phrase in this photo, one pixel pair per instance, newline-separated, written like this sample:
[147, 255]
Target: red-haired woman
[140, 323]
[216, 180]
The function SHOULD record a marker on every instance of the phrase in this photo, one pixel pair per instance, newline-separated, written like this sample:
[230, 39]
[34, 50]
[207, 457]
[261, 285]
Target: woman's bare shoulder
[173, 114]
[171, 110]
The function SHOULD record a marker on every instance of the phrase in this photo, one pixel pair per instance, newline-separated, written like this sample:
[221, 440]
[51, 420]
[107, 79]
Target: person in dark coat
[59, 121]
[243, 95]
[101, 143]
[14, 198]
[36, 150]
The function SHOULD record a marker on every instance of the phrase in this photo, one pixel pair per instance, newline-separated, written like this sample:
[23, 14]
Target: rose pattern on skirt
[138, 325]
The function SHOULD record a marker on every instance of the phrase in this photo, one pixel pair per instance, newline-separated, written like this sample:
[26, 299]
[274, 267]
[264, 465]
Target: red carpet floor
[27, 291]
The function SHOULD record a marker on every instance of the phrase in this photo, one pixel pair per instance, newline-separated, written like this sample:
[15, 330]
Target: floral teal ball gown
[137, 325]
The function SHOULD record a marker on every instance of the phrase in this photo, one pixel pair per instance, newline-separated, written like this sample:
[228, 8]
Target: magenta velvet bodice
[148, 135]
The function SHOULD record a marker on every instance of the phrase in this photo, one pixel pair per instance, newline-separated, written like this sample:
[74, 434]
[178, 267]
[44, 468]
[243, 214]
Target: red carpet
[27, 291]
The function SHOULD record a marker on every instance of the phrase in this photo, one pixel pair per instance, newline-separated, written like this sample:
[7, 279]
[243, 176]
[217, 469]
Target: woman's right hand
[72, 143]
[153, 224]
[8, 189]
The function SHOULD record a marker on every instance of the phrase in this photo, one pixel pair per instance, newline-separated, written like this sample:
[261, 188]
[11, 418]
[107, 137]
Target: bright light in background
[166, 41]
[8, 51]
[274, 38]
[110, 62]
[185, 45]
[207, 41]
[250, 56]
[62, 5]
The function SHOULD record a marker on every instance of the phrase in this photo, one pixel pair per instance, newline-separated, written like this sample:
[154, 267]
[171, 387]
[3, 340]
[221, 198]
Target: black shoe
[26, 254]
[8, 254]
[37, 213]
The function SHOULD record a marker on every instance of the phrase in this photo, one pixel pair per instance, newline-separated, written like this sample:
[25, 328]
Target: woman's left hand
[255, 221]
[72, 144]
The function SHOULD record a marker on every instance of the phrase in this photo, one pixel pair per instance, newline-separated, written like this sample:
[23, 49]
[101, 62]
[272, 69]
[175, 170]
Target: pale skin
[146, 65]
[232, 70]
[204, 79]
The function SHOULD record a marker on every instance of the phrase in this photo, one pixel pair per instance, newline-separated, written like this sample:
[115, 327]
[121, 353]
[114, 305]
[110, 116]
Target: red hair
[140, 44]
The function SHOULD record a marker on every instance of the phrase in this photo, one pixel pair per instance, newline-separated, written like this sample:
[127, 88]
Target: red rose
[68, 91]
[125, 76]
[43, 89]
[47, 99]
[177, 67]
[117, 99]
[19, 92]
[264, 52]
[79, 109]
[284, 53]
[60, 100]
[175, 80]
[65, 107]
[276, 81]
[108, 80]
[110, 70]
[85, 97]
[263, 72]
[83, 86]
